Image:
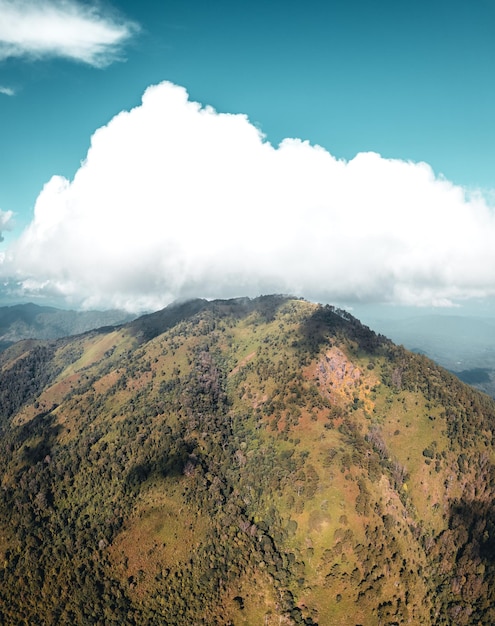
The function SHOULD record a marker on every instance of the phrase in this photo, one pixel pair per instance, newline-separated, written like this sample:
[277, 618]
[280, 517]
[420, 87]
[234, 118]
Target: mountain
[242, 462]
[30, 321]
[463, 344]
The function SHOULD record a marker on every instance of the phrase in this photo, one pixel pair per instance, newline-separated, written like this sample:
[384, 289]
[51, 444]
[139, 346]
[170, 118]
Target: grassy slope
[256, 462]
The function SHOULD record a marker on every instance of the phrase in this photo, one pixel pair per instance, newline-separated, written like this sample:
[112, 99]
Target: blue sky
[412, 82]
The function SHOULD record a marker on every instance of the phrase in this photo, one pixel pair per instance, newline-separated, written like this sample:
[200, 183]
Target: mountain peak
[243, 461]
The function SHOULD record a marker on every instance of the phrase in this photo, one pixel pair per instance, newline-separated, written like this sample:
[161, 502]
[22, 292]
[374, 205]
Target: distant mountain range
[268, 461]
[463, 344]
[30, 321]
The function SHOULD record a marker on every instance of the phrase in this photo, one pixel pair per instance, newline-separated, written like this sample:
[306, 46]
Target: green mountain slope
[244, 462]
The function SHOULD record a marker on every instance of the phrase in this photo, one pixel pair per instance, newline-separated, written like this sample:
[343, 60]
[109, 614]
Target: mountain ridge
[239, 462]
[464, 344]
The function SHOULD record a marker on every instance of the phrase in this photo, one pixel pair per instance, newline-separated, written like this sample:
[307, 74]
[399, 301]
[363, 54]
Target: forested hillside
[242, 462]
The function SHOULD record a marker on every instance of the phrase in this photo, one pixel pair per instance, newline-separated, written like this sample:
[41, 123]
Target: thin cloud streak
[35, 29]
[6, 222]
[177, 200]
[7, 91]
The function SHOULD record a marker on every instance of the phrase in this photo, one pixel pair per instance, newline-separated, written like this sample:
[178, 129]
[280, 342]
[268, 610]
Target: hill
[464, 344]
[30, 321]
[242, 462]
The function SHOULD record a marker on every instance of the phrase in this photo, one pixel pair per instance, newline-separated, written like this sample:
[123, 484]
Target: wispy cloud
[7, 91]
[177, 200]
[6, 222]
[38, 29]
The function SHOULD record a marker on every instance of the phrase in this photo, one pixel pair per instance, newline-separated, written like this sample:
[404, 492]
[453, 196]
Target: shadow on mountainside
[328, 321]
[164, 465]
[465, 562]
[149, 326]
[473, 521]
[43, 430]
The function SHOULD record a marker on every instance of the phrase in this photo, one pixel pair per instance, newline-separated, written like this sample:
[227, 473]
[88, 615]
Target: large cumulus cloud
[176, 200]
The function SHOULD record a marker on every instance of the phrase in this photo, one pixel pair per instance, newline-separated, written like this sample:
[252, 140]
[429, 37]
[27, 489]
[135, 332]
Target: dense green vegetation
[242, 462]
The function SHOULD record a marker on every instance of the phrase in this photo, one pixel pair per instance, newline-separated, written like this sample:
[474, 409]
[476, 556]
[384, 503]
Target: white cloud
[39, 29]
[6, 222]
[7, 91]
[177, 200]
